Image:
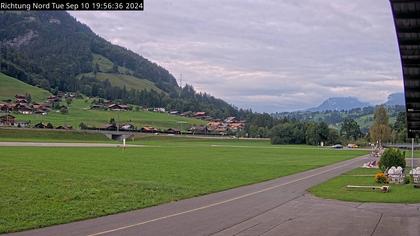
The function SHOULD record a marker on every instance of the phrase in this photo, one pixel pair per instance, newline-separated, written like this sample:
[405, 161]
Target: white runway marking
[219, 203]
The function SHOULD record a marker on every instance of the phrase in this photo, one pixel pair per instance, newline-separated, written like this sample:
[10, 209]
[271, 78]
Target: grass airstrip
[46, 186]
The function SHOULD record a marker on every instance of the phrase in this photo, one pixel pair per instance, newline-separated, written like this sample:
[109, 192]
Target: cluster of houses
[108, 105]
[132, 128]
[230, 125]
[22, 104]
[10, 121]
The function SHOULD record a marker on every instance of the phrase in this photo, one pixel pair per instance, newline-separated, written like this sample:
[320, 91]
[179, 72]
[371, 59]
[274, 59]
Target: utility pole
[412, 153]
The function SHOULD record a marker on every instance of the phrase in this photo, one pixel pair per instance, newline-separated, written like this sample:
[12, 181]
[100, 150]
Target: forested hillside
[52, 50]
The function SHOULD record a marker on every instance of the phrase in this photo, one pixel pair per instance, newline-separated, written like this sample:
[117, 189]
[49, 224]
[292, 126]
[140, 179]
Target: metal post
[412, 153]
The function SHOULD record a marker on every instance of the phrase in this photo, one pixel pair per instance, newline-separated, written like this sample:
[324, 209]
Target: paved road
[34, 144]
[277, 207]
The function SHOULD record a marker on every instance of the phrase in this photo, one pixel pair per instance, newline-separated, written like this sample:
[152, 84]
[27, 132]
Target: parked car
[352, 145]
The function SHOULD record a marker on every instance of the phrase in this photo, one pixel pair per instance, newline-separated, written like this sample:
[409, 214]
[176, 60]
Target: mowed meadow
[47, 186]
[79, 111]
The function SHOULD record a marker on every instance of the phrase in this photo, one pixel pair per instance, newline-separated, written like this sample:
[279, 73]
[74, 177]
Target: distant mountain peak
[395, 99]
[339, 103]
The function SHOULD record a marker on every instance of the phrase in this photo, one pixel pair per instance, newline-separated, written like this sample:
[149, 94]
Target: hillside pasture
[10, 86]
[79, 111]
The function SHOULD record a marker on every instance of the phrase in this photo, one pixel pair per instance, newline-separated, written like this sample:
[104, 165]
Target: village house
[173, 131]
[64, 127]
[199, 130]
[118, 107]
[18, 96]
[236, 126]
[40, 109]
[149, 129]
[53, 99]
[112, 127]
[231, 119]
[22, 124]
[5, 107]
[127, 127]
[199, 114]
[187, 113]
[98, 107]
[21, 101]
[174, 112]
[7, 120]
[24, 109]
[159, 109]
[40, 126]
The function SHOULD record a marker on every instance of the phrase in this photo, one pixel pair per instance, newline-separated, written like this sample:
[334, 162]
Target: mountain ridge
[338, 104]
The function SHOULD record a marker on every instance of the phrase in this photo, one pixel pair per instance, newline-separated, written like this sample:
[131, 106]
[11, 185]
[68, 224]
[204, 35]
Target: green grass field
[130, 82]
[79, 112]
[336, 189]
[46, 186]
[18, 135]
[9, 87]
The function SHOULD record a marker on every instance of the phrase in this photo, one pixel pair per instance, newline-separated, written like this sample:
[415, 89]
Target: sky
[267, 55]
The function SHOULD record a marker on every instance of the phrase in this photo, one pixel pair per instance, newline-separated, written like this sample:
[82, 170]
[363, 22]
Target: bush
[392, 157]
[83, 126]
[380, 178]
[64, 110]
[407, 179]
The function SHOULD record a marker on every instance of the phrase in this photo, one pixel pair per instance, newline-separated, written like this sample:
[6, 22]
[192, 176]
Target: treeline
[336, 117]
[293, 131]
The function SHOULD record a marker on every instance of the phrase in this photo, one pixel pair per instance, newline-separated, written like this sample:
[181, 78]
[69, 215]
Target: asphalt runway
[277, 207]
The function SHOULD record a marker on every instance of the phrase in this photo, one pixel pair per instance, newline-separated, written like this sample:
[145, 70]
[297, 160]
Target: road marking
[220, 203]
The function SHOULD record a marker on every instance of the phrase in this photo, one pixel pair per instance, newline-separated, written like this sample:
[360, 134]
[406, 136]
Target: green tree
[64, 110]
[350, 129]
[333, 137]
[68, 101]
[288, 133]
[115, 69]
[380, 130]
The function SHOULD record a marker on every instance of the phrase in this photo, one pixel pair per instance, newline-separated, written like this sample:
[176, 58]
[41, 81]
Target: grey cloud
[265, 55]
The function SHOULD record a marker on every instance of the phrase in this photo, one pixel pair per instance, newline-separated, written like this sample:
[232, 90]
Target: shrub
[407, 179]
[83, 126]
[392, 157]
[64, 110]
[380, 178]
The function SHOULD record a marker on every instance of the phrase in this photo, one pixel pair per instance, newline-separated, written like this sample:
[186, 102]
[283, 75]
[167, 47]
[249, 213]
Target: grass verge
[336, 189]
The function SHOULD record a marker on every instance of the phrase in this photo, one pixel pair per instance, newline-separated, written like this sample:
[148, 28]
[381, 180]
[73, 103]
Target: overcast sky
[266, 55]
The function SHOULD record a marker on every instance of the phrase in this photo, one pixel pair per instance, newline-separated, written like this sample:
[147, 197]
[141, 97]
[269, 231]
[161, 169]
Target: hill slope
[128, 81]
[396, 99]
[9, 87]
[53, 50]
